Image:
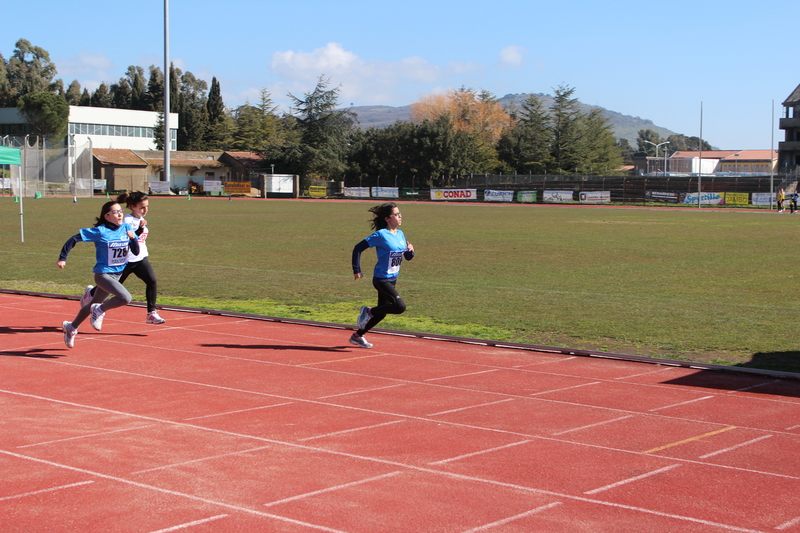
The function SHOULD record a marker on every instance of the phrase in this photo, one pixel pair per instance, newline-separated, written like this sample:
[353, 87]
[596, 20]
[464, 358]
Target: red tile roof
[118, 157]
[248, 159]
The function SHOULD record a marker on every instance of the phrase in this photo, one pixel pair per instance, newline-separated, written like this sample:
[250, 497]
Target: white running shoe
[69, 333]
[86, 299]
[364, 316]
[361, 342]
[97, 317]
[154, 318]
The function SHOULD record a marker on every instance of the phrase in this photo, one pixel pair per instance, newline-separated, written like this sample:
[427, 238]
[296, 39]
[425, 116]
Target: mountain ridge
[623, 126]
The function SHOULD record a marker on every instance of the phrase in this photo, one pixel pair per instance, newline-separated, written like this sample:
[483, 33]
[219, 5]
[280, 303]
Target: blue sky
[657, 61]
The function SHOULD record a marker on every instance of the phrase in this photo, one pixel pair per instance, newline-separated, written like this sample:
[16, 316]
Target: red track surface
[212, 423]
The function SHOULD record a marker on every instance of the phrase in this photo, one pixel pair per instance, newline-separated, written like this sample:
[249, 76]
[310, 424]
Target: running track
[215, 423]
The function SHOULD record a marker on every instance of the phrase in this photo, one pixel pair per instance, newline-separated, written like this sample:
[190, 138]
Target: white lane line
[462, 375]
[361, 391]
[788, 524]
[471, 407]
[631, 479]
[202, 459]
[473, 454]
[170, 492]
[351, 430]
[331, 489]
[712, 454]
[102, 433]
[513, 518]
[52, 489]
[681, 403]
[591, 425]
[239, 411]
[755, 386]
[566, 388]
[190, 524]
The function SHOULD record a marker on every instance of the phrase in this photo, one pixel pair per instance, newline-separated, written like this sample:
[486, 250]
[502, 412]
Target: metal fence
[50, 170]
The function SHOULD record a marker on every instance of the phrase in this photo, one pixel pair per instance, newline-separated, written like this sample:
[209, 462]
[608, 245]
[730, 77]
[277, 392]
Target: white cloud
[360, 80]
[86, 65]
[512, 56]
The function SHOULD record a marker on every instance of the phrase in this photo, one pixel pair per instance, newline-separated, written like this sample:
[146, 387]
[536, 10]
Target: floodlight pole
[700, 175]
[665, 154]
[772, 157]
[167, 140]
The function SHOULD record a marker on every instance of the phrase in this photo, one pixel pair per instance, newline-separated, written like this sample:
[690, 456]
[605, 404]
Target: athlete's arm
[357, 249]
[69, 245]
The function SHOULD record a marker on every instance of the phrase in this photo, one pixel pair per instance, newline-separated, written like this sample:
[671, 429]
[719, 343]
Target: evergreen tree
[599, 152]
[7, 98]
[86, 99]
[647, 142]
[526, 147]
[219, 125]
[566, 127]
[101, 97]
[154, 97]
[135, 77]
[193, 126]
[73, 95]
[47, 114]
[30, 70]
[121, 94]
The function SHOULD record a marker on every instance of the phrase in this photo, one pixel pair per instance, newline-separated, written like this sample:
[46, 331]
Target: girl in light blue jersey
[113, 239]
[391, 247]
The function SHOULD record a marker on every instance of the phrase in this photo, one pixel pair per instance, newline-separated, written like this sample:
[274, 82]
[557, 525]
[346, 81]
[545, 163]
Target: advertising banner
[356, 192]
[706, 198]
[558, 197]
[237, 187]
[317, 191]
[595, 197]
[159, 187]
[212, 186]
[763, 198]
[737, 198]
[454, 194]
[662, 196]
[527, 197]
[385, 192]
[498, 196]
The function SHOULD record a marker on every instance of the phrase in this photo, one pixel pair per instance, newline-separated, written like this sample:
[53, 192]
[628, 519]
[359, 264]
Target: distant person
[113, 239]
[391, 247]
[793, 202]
[781, 197]
[138, 263]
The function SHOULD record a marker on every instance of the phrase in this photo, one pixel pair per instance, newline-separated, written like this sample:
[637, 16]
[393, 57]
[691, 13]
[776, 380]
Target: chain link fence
[50, 170]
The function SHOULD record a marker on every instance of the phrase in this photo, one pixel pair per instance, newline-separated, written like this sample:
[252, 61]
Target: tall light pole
[665, 153]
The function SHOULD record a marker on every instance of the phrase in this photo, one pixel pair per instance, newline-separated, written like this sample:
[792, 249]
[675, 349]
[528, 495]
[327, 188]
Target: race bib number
[117, 253]
[395, 259]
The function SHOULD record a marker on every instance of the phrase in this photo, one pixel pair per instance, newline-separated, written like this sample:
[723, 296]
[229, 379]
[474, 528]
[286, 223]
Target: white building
[104, 127]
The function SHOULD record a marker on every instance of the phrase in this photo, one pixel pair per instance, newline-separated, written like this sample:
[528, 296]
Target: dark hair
[99, 221]
[131, 199]
[381, 212]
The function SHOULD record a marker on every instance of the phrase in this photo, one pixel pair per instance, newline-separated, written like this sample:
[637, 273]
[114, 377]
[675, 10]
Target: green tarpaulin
[9, 156]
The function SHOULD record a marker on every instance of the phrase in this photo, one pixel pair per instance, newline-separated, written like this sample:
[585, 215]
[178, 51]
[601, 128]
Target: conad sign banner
[454, 194]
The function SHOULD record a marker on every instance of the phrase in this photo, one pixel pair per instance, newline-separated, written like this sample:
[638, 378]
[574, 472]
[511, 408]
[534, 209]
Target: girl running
[113, 239]
[138, 264]
[391, 246]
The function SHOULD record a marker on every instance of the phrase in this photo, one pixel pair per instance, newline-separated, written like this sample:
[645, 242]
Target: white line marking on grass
[102, 433]
[631, 480]
[591, 425]
[473, 454]
[712, 454]
[681, 403]
[513, 518]
[170, 492]
[239, 411]
[471, 407]
[566, 388]
[351, 430]
[190, 524]
[331, 489]
[789, 524]
[360, 391]
[462, 375]
[52, 489]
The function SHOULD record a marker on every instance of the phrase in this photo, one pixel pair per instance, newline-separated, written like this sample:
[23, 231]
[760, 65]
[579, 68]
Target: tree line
[459, 132]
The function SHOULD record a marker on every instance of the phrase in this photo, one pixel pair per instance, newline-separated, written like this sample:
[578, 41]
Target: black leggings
[144, 271]
[389, 303]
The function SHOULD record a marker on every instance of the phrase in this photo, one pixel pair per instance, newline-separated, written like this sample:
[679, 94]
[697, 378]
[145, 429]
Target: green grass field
[704, 285]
